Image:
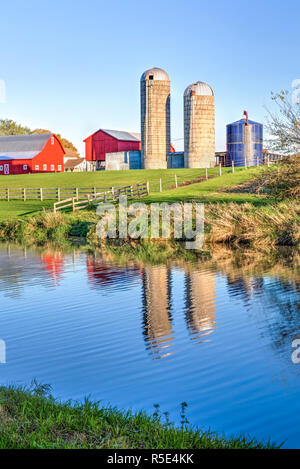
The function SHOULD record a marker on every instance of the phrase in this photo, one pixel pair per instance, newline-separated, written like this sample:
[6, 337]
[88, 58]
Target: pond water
[216, 334]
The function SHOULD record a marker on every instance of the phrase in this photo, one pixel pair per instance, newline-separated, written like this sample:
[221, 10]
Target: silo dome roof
[200, 89]
[156, 74]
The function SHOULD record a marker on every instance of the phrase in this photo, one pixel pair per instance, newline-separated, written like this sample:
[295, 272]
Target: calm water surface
[213, 335]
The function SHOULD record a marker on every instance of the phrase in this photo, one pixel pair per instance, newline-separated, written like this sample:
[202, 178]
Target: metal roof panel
[18, 144]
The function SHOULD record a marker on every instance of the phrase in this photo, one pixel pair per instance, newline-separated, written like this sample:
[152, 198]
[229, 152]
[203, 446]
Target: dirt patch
[191, 181]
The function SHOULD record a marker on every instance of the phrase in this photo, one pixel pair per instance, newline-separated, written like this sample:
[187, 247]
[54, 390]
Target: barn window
[151, 77]
[25, 167]
[1, 168]
[59, 167]
[52, 140]
[52, 167]
[37, 167]
[45, 167]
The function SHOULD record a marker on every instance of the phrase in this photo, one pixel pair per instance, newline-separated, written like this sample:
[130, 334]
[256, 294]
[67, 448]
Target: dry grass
[281, 181]
[275, 225]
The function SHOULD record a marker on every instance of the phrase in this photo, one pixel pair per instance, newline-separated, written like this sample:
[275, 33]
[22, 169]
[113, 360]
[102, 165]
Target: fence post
[58, 194]
[233, 166]
[268, 160]
[7, 194]
[176, 184]
[148, 187]
[77, 193]
[160, 185]
[24, 194]
[206, 174]
[113, 193]
[73, 203]
[131, 189]
[41, 194]
[220, 169]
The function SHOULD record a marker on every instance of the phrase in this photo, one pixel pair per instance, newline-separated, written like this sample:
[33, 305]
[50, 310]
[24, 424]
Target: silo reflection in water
[157, 310]
[245, 287]
[200, 291]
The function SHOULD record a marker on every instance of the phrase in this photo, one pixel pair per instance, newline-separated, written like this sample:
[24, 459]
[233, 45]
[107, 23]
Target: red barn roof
[119, 135]
[21, 154]
[23, 146]
[106, 141]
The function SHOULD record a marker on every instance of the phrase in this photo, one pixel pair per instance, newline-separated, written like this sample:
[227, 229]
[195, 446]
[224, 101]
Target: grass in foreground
[30, 419]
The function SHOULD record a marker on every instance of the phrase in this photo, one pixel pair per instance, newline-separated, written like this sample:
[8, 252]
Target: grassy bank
[31, 419]
[259, 226]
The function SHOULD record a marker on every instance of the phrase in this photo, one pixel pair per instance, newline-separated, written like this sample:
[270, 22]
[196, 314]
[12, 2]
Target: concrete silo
[155, 118]
[199, 126]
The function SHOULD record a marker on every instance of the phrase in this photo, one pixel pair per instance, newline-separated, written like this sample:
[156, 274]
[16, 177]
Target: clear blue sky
[74, 67]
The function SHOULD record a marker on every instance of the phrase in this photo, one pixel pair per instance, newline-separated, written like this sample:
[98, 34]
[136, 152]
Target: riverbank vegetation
[31, 418]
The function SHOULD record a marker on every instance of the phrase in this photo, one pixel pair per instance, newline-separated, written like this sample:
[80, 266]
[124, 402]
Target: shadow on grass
[257, 201]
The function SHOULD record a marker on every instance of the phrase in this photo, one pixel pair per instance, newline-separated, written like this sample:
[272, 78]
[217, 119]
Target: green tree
[10, 127]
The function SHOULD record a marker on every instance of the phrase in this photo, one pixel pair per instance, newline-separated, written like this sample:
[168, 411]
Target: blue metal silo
[245, 142]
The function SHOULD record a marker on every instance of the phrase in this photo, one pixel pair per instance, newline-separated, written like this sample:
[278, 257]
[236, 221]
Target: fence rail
[57, 193]
[109, 195]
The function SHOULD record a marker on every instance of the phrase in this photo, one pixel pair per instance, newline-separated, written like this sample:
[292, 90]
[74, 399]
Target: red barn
[109, 141]
[23, 154]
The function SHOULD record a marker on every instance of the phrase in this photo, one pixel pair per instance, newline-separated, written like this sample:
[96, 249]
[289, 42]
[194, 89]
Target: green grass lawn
[211, 190]
[214, 190]
[108, 178]
[31, 419]
[18, 208]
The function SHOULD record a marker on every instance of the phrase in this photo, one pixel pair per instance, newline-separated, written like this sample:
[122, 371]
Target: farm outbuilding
[123, 160]
[24, 154]
[106, 141]
[75, 165]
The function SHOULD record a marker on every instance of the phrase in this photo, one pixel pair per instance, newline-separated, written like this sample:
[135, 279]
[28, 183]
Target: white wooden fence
[110, 194]
[57, 193]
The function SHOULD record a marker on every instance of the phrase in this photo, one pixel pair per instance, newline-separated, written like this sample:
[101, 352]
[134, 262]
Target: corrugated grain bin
[245, 143]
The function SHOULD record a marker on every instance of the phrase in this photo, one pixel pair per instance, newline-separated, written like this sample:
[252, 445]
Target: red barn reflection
[102, 274]
[54, 264]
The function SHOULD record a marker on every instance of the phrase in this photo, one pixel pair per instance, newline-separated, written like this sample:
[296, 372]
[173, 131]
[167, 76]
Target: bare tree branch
[284, 127]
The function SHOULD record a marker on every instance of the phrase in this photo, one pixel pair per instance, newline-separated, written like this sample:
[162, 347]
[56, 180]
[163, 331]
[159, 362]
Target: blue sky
[74, 67]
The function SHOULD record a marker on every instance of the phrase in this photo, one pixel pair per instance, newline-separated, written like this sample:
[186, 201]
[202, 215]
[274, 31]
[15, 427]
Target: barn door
[6, 169]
